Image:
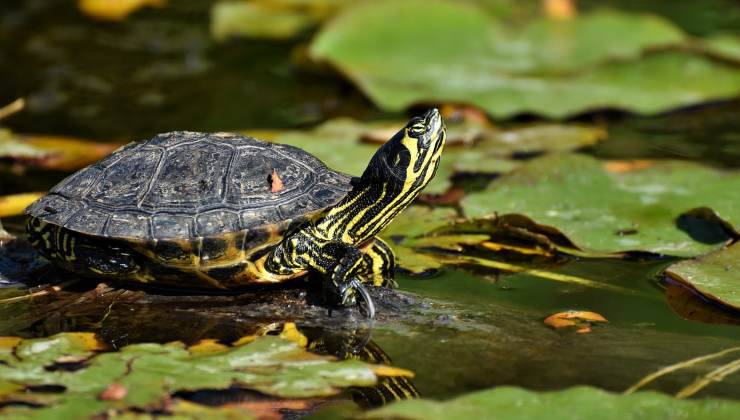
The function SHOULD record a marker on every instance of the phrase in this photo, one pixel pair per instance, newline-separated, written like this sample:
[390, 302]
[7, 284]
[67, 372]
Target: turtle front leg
[373, 264]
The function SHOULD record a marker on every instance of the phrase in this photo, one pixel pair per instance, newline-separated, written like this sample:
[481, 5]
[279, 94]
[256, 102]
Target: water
[466, 331]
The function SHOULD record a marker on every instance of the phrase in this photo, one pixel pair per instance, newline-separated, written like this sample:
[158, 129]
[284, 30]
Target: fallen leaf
[13, 205]
[580, 319]
[619, 166]
[114, 392]
[52, 152]
[560, 9]
[115, 10]
[12, 108]
[276, 182]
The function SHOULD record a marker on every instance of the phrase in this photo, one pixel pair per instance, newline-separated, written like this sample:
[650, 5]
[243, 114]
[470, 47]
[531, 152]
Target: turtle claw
[369, 305]
[347, 296]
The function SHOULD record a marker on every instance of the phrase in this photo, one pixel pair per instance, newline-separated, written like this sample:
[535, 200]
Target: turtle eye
[417, 129]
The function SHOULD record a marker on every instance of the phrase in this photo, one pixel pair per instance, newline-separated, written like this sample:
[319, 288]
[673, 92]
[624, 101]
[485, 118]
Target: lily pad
[444, 51]
[143, 376]
[673, 208]
[115, 10]
[13, 205]
[52, 152]
[583, 402]
[715, 276]
[726, 46]
[277, 19]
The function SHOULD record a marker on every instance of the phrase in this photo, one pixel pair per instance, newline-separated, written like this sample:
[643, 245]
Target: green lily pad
[413, 237]
[674, 208]
[715, 275]
[276, 19]
[443, 51]
[145, 375]
[726, 46]
[581, 402]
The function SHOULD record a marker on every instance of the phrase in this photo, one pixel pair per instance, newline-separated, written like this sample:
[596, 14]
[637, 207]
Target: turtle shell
[188, 184]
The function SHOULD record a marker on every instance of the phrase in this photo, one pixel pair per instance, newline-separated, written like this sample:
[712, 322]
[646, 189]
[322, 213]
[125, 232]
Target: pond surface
[464, 330]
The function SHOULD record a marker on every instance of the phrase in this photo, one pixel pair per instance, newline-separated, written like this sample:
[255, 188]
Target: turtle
[221, 211]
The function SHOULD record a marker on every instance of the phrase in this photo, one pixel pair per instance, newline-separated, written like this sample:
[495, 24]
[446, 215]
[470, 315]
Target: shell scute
[216, 221]
[88, 220]
[77, 185]
[126, 181]
[192, 175]
[132, 225]
[172, 226]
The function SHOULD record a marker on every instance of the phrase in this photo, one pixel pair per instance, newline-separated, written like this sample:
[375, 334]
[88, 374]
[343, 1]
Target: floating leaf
[580, 319]
[13, 205]
[584, 402]
[115, 10]
[691, 305]
[277, 19]
[143, 376]
[276, 184]
[715, 276]
[52, 152]
[674, 208]
[414, 222]
[724, 45]
[444, 51]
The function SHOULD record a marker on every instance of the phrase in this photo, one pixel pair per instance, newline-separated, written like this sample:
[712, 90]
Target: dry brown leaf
[620, 166]
[114, 392]
[277, 183]
[273, 409]
[580, 319]
[12, 108]
[560, 9]
[452, 196]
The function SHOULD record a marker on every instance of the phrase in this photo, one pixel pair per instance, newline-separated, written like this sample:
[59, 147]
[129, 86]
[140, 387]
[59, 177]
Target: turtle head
[412, 155]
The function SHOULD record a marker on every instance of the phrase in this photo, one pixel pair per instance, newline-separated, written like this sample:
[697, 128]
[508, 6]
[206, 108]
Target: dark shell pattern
[188, 184]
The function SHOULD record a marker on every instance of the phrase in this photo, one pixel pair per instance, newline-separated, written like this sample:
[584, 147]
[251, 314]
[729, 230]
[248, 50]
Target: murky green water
[160, 72]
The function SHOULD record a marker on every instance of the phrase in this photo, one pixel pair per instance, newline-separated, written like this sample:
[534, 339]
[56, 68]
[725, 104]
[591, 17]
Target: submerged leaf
[443, 51]
[715, 276]
[584, 402]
